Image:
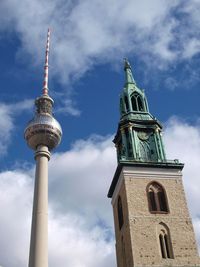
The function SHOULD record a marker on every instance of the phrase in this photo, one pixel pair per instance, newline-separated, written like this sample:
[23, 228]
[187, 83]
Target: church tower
[152, 222]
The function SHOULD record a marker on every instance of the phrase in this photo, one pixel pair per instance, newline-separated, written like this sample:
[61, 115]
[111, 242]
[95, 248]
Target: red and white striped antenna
[46, 66]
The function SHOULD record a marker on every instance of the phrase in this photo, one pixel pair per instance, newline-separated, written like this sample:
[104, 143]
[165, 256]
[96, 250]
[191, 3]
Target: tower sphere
[43, 129]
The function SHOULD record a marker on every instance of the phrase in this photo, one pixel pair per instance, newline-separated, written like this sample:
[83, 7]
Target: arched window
[120, 213]
[137, 103]
[140, 104]
[126, 103]
[134, 102]
[166, 250]
[157, 198]
[128, 141]
[145, 151]
[152, 199]
[122, 106]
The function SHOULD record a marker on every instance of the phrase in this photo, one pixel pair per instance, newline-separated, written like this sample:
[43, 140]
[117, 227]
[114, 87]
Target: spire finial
[126, 64]
[128, 71]
[46, 66]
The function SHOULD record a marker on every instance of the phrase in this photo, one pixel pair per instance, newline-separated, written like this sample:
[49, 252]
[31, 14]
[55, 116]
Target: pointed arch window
[137, 102]
[126, 103]
[157, 198]
[145, 103]
[129, 146]
[134, 102]
[145, 151]
[140, 104]
[120, 212]
[122, 106]
[165, 244]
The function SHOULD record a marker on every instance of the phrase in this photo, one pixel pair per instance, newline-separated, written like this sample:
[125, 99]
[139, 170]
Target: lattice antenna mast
[46, 66]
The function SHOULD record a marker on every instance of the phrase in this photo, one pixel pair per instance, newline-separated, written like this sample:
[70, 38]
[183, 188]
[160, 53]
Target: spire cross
[46, 66]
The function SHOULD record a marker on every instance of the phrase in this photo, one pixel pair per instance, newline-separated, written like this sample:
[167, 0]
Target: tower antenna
[46, 66]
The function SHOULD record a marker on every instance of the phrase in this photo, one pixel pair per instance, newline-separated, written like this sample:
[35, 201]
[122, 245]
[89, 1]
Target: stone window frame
[165, 244]
[158, 201]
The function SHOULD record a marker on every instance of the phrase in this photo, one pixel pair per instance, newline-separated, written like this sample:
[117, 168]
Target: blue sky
[89, 41]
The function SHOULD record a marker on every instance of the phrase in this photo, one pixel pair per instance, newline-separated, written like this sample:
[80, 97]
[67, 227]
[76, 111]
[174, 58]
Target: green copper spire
[128, 72]
[139, 137]
[133, 99]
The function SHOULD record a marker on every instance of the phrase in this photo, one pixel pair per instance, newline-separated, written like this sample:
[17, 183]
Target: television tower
[43, 133]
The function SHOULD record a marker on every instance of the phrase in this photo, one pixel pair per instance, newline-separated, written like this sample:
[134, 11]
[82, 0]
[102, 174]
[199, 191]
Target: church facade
[152, 223]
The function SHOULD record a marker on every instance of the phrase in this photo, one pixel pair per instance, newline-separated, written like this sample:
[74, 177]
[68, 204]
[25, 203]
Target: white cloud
[8, 112]
[68, 107]
[191, 48]
[182, 141]
[80, 215]
[171, 83]
[15, 205]
[6, 125]
[192, 8]
[79, 211]
[87, 32]
[86, 170]
[71, 244]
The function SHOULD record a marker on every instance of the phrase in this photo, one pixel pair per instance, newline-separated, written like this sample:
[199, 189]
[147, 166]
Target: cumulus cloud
[68, 107]
[192, 48]
[80, 215]
[8, 112]
[86, 170]
[182, 141]
[86, 33]
[72, 244]
[16, 205]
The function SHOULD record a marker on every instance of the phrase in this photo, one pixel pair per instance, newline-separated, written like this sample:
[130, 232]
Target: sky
[89, 40]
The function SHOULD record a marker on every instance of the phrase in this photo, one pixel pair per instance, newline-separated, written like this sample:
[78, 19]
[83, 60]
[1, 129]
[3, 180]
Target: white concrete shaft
[38, 256]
